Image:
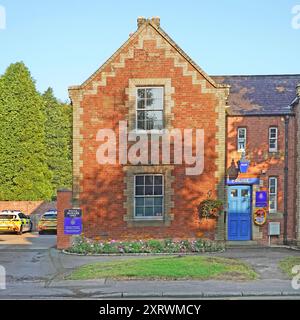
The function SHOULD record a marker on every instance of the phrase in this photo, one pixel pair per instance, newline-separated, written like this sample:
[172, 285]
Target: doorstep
[243, 244]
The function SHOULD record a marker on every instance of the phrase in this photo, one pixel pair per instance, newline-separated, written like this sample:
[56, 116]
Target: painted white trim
[238, 138]
[155, 131]
[274, 210]
[276, 139]
[152, 196]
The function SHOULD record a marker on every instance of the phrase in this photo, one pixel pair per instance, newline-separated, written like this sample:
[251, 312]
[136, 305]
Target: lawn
[287, 264]
[167, 268]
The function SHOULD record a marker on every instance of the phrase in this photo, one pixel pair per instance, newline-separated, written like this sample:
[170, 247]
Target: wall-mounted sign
[73, 221]
[260, 216]
[243, 181]
[243, 166]
[261, 199]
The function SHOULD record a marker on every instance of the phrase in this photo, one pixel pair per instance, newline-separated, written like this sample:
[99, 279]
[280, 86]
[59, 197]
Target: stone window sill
[148, 222]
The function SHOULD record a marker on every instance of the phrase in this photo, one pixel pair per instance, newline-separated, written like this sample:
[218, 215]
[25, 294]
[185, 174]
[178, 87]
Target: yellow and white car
[48, 222]
[14, 221]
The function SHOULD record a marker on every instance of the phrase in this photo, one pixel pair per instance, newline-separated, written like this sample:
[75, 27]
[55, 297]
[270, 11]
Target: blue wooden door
[239, 213]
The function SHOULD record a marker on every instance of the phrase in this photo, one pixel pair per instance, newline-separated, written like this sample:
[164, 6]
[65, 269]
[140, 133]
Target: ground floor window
[149, 196]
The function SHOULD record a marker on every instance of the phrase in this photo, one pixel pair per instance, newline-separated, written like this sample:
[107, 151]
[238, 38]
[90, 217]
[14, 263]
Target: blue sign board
[73, 221]
[261, 199]
[243, 166]
[243, 181]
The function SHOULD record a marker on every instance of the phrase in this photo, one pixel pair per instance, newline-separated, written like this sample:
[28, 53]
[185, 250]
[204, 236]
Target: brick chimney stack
[141, 21]
[154, 20]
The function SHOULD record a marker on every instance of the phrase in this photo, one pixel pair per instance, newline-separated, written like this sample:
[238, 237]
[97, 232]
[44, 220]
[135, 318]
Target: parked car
[48, 222]
[15, 221]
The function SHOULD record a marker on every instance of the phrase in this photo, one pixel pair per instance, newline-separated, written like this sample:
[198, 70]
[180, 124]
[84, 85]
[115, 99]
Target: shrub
[83, 245]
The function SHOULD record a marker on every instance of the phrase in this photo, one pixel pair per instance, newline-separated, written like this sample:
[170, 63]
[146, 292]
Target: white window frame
[152, 196]
[136, 110]
[273, 194]
[275, 149]
[239, 139]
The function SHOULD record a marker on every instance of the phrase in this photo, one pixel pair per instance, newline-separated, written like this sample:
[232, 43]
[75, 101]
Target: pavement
[36, 270]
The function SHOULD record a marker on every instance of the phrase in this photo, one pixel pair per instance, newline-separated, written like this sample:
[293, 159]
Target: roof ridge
[259, 75]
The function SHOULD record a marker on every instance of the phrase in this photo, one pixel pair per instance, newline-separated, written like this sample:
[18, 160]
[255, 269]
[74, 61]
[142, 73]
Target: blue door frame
[239, 212]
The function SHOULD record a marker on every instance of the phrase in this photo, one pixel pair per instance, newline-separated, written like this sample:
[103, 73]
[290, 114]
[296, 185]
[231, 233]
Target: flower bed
[86, 246]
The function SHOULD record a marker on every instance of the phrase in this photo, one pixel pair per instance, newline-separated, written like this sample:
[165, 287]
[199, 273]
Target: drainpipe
[286, 171]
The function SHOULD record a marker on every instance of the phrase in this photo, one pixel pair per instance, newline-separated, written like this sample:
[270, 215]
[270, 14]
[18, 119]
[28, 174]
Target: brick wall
[64, 201]
[272, 163]
[28, 207]
[194, 101]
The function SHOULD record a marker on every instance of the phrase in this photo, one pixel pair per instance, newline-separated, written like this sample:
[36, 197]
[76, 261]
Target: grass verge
[287, 264]
[167, 268]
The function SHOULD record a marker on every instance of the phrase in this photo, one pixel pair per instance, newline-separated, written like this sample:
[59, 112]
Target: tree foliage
[35, 139]
[58, 141]
[24, 174]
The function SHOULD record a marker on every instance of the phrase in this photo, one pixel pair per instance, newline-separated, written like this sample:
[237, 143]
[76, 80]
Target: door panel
[239, 213]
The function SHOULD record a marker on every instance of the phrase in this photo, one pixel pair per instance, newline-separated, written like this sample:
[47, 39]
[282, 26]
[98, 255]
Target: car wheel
[41, 232]
[20, 231]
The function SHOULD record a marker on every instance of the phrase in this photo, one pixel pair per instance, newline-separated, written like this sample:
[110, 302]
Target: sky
[63, 42]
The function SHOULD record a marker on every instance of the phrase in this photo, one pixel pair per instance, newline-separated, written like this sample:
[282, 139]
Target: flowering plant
[210, 208]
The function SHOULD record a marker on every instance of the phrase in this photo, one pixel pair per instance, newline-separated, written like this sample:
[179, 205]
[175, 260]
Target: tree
[58, 141]
[24, 171]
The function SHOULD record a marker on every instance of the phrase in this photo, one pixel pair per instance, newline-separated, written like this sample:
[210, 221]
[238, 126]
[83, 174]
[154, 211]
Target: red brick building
[151, 86]
[261, 122]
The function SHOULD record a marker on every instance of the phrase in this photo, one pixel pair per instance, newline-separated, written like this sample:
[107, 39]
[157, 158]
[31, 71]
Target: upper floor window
[273, 194]
[273, 139]
[149, 196]
[150, 108]
[242, 139]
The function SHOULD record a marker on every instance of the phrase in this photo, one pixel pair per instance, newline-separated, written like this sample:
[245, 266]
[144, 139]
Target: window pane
[141, 115]
[141, 104]
[149, 125]
[149, 180]
[241, 133]
[156, 104]
[272, 190]
[158, 180]
[158, 201]
[155, 93]
[148, 211]
[245, 193]
[141, 125]
[149, 201]
[139, 191]
[149, 190]
[139, 211]
[158, 211]
[139, 201]
[272, 202]
[141, 93]
[158, 190]
[139, 180]
[241, 145]
[234, 193]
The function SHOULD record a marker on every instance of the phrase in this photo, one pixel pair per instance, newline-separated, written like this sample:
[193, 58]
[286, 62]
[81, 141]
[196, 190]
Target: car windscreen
[49, 216]
[7, 217]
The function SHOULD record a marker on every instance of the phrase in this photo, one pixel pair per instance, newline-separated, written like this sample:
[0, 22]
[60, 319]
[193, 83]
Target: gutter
[286, 171]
